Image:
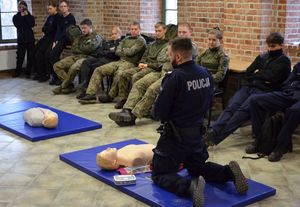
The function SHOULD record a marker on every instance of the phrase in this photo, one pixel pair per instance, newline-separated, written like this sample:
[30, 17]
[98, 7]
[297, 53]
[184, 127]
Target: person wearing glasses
[266, 74]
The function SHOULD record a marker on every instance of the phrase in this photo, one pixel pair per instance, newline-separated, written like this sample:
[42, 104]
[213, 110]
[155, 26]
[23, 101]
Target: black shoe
[57, 82]
[81, 94]
[105, 99]
[208, 137]
[120, 104]
[43, 79]
[52, 81]
[37, 77]
[275, 156]
[251, 148]
[16, 74]
[88, 99]
[124, 124]
[197, 191]
[122, 116]
[240, 182]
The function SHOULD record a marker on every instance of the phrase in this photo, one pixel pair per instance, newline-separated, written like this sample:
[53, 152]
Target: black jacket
[62, 24]
[108, 50]
[292, 84]
[268, 71]
[24, 25]
[50, 26]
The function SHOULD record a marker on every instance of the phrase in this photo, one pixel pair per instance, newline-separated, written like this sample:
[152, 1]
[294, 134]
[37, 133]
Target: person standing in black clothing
[266, 74]
[185, 97]
[105, 54]
[49, 30]
[64, 20]
[24, 22]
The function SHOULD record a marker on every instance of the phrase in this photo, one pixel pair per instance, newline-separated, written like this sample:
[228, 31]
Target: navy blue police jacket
[186, 95]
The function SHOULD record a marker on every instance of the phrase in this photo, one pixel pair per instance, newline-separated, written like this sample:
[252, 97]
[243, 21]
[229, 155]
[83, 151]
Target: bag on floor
[267, 140]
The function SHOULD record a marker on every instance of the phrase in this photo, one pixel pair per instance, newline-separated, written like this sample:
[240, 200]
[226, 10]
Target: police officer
[186, 95]
[287, 100]
[84, 44]
[267, 73]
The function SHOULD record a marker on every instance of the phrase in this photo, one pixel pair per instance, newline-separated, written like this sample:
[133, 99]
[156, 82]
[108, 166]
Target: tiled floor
[32, 175]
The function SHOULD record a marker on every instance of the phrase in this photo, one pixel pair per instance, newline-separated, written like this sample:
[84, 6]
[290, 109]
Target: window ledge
[8, 46]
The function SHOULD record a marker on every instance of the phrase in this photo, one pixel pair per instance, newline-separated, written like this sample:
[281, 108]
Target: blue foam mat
[11, 119]
[217, 195]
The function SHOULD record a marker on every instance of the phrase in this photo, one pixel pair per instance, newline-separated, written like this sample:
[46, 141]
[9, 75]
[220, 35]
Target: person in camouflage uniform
[147, 64]
[84, 44]
[144, 91]
[130, 50]
[214, 58]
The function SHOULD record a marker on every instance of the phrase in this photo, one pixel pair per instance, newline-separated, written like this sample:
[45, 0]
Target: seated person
[214, 58]
[144, 92]
[104, 55]
[287, 100]
[148, 64]
[37, 117]
[129, 156]
[84, 45]
[130, 50]
[267, 73]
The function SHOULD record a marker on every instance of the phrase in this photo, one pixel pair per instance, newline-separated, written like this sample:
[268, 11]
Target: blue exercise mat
[218, 195]
[11, 119]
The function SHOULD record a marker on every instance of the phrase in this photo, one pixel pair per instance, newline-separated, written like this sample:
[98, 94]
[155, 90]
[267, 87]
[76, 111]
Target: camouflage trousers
[109, 69]
[67, 68]
[132, 75]
[143, 94]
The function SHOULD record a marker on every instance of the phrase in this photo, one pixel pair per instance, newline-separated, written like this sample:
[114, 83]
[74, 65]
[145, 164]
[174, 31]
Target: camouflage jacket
[87, 44]
[131, 49]
[216, 61]
[151, 54]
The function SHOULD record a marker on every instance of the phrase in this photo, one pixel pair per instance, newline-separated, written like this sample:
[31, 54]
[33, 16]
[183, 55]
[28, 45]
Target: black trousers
[22, 49]
[87, 68]
[169, 154]
[52, 56]
[40, 50]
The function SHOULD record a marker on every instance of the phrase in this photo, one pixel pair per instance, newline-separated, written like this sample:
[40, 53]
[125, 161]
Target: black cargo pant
[22, 49]
[170, 153]
[87, 68]
[40, 50]
[52, 56]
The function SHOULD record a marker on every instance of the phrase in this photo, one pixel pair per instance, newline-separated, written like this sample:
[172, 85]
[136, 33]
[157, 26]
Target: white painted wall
[7, 59]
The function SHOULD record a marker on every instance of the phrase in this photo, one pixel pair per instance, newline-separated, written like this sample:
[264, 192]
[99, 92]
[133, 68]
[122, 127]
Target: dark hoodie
[24, 25]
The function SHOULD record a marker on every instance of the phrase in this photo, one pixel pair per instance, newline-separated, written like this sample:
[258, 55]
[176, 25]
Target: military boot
[240, 182]
[57, 90]
[123, 118]
[105, 98]
[88, 99]
[69, 89]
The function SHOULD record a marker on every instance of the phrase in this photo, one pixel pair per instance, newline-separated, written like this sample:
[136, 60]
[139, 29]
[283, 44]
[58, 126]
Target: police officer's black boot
[196, 191]
[209, 137]
[240, 182]
[251, 148]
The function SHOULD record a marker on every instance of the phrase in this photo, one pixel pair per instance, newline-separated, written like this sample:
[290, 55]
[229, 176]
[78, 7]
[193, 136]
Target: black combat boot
[196, 190]
[240, 182]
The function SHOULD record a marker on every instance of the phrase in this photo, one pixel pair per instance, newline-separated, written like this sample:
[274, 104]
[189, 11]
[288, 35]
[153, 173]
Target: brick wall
[245, 23]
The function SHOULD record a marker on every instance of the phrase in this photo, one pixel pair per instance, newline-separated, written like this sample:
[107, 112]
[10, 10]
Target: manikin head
[50, 120]
[180, 50]
[107, 159]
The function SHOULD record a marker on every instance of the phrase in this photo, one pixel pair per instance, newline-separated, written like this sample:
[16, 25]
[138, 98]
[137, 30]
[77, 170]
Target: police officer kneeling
[186, 95]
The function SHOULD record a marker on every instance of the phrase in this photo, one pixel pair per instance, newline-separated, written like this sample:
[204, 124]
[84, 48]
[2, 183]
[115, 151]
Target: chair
[219, 92]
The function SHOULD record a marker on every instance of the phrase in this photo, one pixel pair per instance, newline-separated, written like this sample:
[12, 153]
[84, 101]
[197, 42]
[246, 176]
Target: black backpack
[267, 140]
